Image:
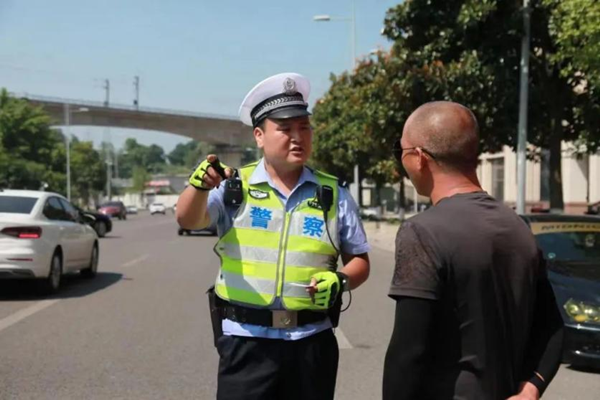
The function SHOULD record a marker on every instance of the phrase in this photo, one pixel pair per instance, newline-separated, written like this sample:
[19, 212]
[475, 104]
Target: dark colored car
[571, 246]
[113, 209]
[211, 231]
[100, 222]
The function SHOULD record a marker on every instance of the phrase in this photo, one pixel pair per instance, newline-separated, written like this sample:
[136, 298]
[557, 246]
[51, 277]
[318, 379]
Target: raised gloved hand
[209, 173]
[327, 286]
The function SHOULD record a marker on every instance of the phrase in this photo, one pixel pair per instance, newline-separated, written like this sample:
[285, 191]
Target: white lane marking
[343, 342]
[133, 262]
[24, 313]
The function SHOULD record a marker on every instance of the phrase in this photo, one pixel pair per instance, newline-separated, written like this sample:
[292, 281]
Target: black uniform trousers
[275, 369]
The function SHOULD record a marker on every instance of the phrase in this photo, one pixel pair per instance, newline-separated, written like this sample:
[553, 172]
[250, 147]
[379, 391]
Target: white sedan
[42, 236]
[158, 208]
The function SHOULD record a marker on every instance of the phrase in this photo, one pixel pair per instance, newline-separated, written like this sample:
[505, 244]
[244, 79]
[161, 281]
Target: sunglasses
[398, 151]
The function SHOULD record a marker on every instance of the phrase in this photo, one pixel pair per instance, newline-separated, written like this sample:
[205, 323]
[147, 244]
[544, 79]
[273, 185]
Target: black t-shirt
[479, 260]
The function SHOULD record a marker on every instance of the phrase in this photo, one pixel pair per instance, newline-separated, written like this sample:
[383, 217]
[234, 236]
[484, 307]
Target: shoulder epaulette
[325, 175]
[252, 164]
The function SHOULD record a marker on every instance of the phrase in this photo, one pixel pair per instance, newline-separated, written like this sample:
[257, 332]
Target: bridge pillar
[230, 155]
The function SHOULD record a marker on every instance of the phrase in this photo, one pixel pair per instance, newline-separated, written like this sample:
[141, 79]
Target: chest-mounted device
[233, 186]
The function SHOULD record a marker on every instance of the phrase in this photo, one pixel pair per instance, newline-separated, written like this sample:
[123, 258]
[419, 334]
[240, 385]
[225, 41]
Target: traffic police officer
[279, 245]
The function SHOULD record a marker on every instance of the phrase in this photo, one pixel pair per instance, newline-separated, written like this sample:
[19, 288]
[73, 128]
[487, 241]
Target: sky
[200, 56]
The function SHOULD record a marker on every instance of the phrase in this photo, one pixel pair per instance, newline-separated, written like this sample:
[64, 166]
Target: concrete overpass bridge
[227, 133]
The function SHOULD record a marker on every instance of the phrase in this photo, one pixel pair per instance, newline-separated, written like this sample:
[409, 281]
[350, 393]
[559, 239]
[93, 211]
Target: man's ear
[422, 160]
[259, 137]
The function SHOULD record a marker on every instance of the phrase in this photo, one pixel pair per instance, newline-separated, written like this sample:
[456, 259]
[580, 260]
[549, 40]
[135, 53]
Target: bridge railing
[117, 106]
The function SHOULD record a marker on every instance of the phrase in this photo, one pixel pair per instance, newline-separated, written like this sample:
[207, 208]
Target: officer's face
[285, 142]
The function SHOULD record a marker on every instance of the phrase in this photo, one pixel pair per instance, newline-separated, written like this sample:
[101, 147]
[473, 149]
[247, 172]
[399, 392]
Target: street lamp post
[68, 113]
[352, 20]
[108, 178]
[522, 141]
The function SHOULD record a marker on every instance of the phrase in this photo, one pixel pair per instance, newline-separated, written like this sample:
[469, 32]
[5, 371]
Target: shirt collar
[260, 175]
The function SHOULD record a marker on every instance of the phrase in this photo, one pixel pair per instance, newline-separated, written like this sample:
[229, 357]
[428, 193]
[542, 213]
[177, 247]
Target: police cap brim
[287, 113]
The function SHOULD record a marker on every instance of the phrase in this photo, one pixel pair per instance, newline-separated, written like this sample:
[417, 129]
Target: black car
[571, 246]
[100, 222]
[210, 231]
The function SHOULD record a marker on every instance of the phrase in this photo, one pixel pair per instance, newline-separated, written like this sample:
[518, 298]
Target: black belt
[270, 318]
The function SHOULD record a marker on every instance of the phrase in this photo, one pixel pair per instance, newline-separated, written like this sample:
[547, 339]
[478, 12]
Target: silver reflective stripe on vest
[298, 259]
[236, 281]
[246, 219]
[247, 253]
[292, 290]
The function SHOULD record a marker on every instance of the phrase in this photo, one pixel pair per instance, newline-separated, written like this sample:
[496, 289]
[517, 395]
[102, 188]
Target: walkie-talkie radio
[233, 186]
[324, 195]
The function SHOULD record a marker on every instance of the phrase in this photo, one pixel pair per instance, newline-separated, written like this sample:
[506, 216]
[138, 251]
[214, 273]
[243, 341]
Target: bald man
[475, 315]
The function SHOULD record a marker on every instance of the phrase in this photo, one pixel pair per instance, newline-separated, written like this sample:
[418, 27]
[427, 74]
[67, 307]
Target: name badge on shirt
[315, 204]
[258, 194]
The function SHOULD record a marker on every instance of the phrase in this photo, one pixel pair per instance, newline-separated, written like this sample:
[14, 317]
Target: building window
[498, 178]
[545, 175]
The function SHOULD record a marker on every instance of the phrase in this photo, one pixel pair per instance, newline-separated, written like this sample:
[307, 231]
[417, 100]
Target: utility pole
[136, 84]
[68, 148]
[356, 189]
[522, 142]
[116, 155]
[107, 90]
[108, 179]
[356, 171]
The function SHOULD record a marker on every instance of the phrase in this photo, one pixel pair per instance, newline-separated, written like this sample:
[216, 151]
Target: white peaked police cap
[280, 96]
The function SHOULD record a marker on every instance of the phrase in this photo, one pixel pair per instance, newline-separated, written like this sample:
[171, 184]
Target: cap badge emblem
[289, 86]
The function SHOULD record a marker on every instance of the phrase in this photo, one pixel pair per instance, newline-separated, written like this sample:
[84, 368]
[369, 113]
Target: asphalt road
[141, 329]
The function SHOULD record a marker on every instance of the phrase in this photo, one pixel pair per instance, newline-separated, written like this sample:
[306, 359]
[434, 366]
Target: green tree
[88, 175]
[469, 51]
[31, 153]
[358, 120]
[134, 154]
[178, 156]
[155, 158]
[140, 178]
[575, 28]
[337, 127]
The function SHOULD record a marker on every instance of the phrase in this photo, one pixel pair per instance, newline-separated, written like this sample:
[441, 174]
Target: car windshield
[569, 241]
[16, 204]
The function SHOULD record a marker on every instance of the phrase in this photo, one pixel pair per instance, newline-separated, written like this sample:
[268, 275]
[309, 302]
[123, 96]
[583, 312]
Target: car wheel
[100, 228]
[180, 232]
[92, 270]
[51, 284]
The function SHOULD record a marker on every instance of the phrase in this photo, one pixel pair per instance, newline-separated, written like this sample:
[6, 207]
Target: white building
[497, 173]
[580, 176]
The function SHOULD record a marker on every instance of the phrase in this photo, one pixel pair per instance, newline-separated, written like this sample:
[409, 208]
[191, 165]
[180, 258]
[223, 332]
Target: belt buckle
[284, 319]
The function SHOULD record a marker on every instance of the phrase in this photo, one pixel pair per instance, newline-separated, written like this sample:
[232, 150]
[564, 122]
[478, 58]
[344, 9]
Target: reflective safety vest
[271, 253]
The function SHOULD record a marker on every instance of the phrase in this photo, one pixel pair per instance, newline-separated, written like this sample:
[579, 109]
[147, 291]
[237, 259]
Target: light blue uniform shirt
[351, 232]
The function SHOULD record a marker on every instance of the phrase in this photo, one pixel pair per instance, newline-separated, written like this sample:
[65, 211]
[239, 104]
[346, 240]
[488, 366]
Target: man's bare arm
[356, 267]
